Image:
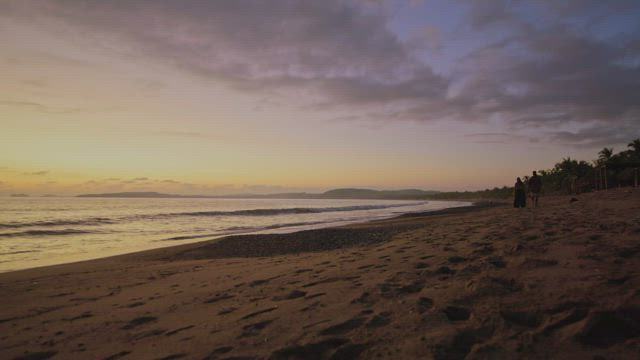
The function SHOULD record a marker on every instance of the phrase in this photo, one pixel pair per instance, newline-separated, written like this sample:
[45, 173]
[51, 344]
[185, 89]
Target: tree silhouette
[569, 174]
[605, 154]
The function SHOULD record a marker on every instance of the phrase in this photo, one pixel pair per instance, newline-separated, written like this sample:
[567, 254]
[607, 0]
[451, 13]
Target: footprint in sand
[564, 319]
[116, 356]
[260, 282]
[391, 289]
[444, 270]
[139, 321]
[364, 298]
[218, 297]
[61, 295]
[135, 304]
[40, 355]
[497, 262]
[228, 310]
[424, 304]
[456, 259]
[382, 319]
[457, 313]
[618, 280]
[84, 315]
[349, 351]
[459, 346]
[412, 288]
[365, 267]
[485, 250]
[315, 324]
[522, 318]
[174, 356]
[471, 269]
[146, 334]
[606, 328]
[259, 312]
[313, 296]
[254, 329]
[319, 350]
[311, 307]
[178, 330]
[344, 327]
[292, 295]
[217, 352]
[329, 280]
[531, 263]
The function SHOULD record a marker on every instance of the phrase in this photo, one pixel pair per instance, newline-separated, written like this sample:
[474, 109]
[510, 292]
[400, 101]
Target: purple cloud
[541, 66]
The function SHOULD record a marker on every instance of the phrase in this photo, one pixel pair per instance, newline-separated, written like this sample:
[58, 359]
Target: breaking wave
[89, 221]
[46, 233]
[97, 221]
[286, 211]
[246, 229]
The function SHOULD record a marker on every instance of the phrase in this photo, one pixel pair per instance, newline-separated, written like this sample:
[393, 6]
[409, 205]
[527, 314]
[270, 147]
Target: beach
[479, 282]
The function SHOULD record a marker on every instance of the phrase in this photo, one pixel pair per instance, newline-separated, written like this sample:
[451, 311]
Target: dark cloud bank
[555, 76]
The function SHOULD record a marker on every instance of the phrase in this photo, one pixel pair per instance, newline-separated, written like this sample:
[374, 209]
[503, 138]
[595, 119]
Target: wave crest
[288, 211]
[45, 233]
[90, 221]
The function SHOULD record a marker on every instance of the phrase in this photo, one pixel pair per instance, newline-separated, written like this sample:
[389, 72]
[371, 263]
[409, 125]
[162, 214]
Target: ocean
[55, 230]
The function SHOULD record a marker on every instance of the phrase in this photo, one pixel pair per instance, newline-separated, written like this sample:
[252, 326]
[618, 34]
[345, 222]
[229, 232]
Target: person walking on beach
[535, 186]
[520, 197]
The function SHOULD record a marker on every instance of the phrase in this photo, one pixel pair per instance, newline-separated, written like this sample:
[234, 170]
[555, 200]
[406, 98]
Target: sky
[222, 97]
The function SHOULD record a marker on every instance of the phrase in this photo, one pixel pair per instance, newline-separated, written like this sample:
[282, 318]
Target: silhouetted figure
[520, 196]
[535, 186]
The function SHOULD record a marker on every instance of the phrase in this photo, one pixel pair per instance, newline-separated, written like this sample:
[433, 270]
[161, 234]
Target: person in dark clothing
[520, 196]
[535, 186]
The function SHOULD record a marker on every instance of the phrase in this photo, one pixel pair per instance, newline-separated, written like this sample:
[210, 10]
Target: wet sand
[560, 282]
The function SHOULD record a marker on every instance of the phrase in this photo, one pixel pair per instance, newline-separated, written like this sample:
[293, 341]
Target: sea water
[54, 230]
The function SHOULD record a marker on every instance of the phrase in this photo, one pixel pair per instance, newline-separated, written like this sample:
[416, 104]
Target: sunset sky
[215, 97]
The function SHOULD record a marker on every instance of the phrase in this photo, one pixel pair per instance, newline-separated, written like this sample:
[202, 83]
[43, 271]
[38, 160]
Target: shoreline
[315, 240]
[561, 281]
[316, 232]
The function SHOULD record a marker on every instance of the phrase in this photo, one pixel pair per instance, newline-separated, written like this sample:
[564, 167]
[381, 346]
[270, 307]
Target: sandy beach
[484, 282]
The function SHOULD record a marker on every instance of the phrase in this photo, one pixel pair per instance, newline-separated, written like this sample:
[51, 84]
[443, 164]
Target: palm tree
[635, 145]
[605, 154]
[633, 155]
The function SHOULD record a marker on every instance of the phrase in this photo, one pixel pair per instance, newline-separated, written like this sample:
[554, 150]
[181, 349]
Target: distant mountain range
[408, 194]
[146, 194]
[377, 194]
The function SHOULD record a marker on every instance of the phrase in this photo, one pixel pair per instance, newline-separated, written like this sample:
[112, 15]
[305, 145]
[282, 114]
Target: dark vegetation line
[572, 176]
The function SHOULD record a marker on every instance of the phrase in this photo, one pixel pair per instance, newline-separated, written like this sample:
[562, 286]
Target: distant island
[19, 195]
[146, 194]
[408, 194]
